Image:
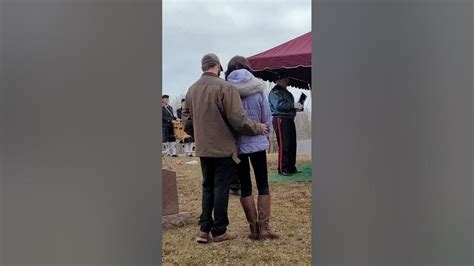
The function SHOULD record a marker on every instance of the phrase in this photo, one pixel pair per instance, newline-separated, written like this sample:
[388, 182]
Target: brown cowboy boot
[264, 218]
[251, 214]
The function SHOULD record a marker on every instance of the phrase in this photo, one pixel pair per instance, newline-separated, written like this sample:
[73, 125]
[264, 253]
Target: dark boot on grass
[202, 237]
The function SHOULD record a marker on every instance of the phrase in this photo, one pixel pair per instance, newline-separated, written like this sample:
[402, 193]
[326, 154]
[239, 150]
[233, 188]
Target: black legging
[259, 164]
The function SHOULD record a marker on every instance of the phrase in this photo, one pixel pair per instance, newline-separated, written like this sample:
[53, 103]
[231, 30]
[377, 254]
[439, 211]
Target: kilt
[168, 133]
[187, 140]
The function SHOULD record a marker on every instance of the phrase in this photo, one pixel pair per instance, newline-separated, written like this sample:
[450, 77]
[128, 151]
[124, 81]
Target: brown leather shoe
[264, 218]
[224, 237]
[202, 237]
[250, 211]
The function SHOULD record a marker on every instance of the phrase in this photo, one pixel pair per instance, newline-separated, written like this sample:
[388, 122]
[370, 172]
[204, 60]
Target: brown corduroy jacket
[213, 115]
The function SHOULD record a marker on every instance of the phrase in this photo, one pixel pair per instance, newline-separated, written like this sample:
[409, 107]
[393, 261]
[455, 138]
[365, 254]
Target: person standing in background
[169, 140]
[284, 108]
[187, 142]
[235, 187]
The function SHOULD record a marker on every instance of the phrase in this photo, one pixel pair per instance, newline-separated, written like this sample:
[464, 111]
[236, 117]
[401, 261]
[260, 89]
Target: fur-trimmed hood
[245, 82]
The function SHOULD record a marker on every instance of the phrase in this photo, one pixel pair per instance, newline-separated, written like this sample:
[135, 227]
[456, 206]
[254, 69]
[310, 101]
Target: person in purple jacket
[252, 92]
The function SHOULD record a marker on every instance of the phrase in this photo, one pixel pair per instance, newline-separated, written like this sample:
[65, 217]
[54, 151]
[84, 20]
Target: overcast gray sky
[192, 28]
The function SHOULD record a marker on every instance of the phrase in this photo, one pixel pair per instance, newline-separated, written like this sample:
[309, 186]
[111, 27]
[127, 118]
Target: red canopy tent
[292, 57]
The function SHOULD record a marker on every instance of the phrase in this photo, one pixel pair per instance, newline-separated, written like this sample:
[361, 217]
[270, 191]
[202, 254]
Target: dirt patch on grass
[291, 218]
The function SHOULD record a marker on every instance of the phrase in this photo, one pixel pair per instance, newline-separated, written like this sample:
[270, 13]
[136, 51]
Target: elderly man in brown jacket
[214, 115]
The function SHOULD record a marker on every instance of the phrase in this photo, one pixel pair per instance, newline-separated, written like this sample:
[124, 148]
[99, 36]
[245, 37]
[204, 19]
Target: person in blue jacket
[284, 108]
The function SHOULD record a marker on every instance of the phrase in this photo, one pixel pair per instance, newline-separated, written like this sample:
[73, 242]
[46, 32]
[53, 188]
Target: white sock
[173, 148]
[165, 148]
[187, 148]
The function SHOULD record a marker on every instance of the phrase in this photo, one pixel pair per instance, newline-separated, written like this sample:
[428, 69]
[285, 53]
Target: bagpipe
[179, 132]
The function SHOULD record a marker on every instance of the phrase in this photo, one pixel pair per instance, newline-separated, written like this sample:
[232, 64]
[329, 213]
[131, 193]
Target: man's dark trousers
[285, 130]
[217, 174]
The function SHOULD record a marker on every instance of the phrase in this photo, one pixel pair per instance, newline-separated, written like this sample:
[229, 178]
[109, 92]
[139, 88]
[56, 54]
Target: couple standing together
[230, 122]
